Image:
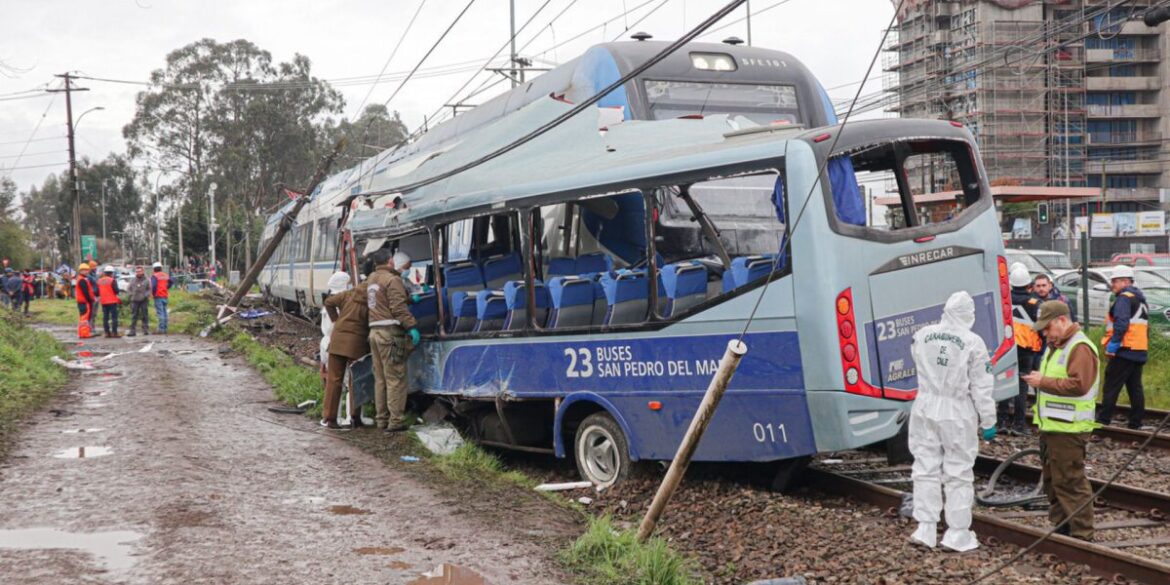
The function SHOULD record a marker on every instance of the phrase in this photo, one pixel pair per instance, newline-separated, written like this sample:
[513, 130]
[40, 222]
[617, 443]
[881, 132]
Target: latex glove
[987, 434]
[415, 299]
[1112, 347]
[426, 288]
[413, 334]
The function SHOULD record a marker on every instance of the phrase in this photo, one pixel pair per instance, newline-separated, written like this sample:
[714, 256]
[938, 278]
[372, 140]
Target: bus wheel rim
[599, 453]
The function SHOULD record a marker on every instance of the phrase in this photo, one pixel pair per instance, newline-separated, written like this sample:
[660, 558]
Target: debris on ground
[440, 438]
[72, 364]
[565, 486]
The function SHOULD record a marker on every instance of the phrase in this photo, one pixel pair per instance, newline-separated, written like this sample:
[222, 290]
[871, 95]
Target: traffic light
[1042, 212]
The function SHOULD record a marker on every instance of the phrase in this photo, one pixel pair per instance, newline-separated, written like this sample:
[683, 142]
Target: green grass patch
[30, 378]
[471, 462]
[292, 382]
[186, 313]
[607, 556]
[1156, 374]
[55, 311]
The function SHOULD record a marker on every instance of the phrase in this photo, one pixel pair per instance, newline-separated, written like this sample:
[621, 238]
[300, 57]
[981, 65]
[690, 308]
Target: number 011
[767, 433]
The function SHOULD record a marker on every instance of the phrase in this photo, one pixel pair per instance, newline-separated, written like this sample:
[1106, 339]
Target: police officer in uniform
[1024, 310]
[1126, 341]
[1066, 399]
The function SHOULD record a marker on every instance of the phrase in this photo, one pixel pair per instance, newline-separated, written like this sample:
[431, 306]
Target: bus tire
[601, 450]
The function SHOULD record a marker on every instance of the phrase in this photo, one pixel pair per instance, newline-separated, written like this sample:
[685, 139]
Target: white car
[1040, 262]
[1154, 283]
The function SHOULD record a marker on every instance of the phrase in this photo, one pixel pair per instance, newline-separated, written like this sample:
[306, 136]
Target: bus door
[925, 243]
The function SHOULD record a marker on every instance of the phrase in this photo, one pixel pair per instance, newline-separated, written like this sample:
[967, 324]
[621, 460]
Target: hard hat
[1122, 272]
[1019, 276]
[156, 265]
[83, 267]
[1016, 265]
[108, 268]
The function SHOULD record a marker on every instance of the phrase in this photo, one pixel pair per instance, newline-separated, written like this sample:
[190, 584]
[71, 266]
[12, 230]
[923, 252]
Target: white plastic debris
[72, 364]
[439, 438]
[307, 404]
[585, 500]
[561, 487]
[146, 347]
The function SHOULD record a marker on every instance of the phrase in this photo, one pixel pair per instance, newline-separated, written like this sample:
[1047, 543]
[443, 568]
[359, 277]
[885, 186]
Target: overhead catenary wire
[786, 243]
[15, 164]
[577, 109]
[398, 45]
[640, 20]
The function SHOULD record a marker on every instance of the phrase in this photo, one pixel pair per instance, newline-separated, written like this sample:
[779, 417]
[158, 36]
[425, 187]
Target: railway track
[1121, 508]
[1122, 434]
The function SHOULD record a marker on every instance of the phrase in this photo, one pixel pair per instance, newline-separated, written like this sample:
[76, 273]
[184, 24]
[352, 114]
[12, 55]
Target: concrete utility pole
[512, 28]
[68, 91]
[211, 223]
[748, 3]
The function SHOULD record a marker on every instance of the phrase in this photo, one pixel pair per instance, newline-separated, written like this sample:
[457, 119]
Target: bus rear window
[895, 185]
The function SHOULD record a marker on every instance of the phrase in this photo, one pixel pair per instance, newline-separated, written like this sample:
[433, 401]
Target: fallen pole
[227, 310]
[682, 459]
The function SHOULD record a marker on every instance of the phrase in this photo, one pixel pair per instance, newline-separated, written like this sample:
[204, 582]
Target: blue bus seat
[594, 262]
[501, 269]
[462, 276]
[562, 267]
[516, 300]
[490, 310]
[426, 312]
[684, 284]
[571, 298]
[626, 293]
[463, 312]
[746, 269]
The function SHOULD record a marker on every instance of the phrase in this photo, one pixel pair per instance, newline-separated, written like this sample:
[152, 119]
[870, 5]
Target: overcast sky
[127, 39]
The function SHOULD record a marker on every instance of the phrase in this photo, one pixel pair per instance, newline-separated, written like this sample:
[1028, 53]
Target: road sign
[88, 247]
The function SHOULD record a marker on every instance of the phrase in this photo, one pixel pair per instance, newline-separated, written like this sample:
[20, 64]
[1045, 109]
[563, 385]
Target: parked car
[1139, 260]
[1040, 261]
[1154, 282]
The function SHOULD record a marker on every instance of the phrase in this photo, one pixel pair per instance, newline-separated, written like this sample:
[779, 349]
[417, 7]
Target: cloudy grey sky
[127, 39]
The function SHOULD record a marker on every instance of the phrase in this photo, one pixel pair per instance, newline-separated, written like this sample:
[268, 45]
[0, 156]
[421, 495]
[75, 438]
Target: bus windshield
[762, 104]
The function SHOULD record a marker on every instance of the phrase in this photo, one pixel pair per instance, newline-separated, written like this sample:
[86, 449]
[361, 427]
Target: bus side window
[481, 256]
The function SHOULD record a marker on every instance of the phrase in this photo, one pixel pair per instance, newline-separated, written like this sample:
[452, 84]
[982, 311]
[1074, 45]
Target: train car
[758, 86]
[583, 289]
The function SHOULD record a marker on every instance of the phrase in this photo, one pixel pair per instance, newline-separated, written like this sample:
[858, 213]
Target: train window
[301, 243]
[762, 104]
[325, 249]
[894, 185]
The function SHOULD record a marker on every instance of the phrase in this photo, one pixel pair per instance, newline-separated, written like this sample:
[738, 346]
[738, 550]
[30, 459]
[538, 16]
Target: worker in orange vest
[1025, 307]
[160, 284]
[108, 297]
[84, 293]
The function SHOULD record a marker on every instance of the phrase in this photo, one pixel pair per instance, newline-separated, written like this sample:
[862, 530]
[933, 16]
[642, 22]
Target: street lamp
[77, 122]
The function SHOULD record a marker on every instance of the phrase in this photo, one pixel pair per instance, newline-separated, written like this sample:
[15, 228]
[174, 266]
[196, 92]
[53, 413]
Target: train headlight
[713, 62]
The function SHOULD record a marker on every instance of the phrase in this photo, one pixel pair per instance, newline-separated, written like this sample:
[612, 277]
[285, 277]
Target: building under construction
[1057, 93]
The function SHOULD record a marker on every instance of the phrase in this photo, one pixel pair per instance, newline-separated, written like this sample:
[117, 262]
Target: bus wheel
[601, 450]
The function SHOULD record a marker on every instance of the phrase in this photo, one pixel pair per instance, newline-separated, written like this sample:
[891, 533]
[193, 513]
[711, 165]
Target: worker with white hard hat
[1127, 344]
[1013, 411]
[954, 408]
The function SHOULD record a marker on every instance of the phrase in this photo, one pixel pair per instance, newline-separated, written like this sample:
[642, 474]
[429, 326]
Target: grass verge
[186, 313]
[292, 382]
[30, 378]
[471, 462]
[607, 556]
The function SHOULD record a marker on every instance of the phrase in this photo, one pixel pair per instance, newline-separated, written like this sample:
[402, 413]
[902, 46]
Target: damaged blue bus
[584, 285]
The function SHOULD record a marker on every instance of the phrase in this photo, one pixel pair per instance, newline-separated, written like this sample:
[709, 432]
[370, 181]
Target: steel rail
[1101, 560]
[1130, 498]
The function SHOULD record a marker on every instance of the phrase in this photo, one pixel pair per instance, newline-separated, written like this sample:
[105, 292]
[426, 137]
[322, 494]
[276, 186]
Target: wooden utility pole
[73, 183]
[678, 466]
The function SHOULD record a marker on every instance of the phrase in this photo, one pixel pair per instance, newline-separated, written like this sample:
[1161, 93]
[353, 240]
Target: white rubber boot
[926, 534]
[960, 540]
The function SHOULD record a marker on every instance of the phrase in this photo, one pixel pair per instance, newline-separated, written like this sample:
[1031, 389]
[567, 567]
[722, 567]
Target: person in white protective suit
[953, 410]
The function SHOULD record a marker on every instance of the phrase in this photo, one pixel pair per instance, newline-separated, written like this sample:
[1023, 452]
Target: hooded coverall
[954, 401]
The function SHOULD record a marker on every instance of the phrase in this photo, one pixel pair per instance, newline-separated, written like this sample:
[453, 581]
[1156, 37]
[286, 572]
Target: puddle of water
[346, 510]
[399, 565]
[83, 452]
[446, 574]
[104, 376]
[91, 393]
[111, 548]
[75, 431]
[94, 404]
[379, 550]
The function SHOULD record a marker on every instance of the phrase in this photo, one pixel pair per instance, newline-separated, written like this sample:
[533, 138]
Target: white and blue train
[586, 284]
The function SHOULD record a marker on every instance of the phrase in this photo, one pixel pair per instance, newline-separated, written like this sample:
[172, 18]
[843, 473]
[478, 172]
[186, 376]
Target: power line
[429, 51]
[743, 18]
[33, 140]
[639, 21]
[577, 109]
[26, 97]
[31, 136]
[32, 154]
[37, 166]
[393, 52]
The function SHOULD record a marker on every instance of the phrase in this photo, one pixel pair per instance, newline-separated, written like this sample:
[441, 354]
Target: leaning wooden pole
[682, 459]
[231, 307]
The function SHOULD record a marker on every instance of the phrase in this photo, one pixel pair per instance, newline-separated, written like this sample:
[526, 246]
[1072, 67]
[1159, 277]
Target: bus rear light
[923, 239]
[850, 356]
[1005, 304]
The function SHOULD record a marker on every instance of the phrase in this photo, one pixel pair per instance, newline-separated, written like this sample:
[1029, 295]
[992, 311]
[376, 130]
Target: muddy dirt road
[161, 468]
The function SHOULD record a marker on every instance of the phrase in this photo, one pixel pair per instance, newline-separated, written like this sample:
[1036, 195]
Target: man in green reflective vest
[1066, 398]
